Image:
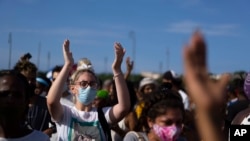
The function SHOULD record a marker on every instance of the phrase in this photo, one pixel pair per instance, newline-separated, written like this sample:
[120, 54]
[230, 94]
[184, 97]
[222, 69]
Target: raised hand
[203, 90]
[119, 53]
[207, 94]
[119, 110]
[68, 57]
[129, 64]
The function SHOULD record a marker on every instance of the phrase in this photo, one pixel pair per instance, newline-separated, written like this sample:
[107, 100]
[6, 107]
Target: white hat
[146, 81]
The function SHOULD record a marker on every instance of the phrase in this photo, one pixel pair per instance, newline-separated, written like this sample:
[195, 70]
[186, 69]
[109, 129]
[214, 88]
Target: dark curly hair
[26, 66]
[156, 104]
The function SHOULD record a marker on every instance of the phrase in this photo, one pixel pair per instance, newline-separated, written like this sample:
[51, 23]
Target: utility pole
[105, 65]
[38, 56]
[10, 48]
[48, 63]
[160, 67]
[132, 36]
[168, 54]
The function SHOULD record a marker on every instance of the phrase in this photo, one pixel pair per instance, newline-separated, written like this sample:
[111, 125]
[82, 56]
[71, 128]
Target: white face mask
[87, 95]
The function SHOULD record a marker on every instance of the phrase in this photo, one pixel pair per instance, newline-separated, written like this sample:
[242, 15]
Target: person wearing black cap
[170, 80]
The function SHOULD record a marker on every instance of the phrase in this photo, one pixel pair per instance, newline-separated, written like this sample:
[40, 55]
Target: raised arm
[129, 67]
[121, 109]
[55, 92]
[206, 94]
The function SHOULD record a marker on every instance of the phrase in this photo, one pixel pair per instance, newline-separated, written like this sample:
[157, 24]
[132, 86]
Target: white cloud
[187, 27]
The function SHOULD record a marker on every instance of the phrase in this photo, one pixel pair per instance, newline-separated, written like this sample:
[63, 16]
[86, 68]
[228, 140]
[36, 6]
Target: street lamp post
[168, 58]
[10, 48]
[48, 59]
[38, 55]
[132, 36]
[105, 65]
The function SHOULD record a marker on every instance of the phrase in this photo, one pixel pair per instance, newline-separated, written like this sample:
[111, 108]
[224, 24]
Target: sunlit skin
[85, 76]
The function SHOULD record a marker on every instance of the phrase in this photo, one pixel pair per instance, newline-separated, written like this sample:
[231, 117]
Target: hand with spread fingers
[206, 93]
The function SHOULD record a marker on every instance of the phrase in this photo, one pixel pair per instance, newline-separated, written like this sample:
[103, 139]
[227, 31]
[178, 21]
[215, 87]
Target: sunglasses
[85, 84]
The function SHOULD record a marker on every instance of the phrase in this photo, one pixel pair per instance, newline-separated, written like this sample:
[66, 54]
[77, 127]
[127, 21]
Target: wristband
[116, 75]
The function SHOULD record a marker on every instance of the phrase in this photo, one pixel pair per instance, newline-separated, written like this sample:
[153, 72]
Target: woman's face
[167, 126]
[173, 116]
[85, 88]
[85, 77]
[149, 88]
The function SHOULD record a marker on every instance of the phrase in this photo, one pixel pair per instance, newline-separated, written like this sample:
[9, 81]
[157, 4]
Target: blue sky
[93, 26]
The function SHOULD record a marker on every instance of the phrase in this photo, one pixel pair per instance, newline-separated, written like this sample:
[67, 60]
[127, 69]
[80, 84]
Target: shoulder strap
[138, 135]
[104, 123]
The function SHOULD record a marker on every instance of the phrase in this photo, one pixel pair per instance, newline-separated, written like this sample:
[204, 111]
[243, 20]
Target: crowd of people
[70, 102]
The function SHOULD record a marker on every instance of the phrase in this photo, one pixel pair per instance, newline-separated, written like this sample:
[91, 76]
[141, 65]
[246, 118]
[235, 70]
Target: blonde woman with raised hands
[81, 122]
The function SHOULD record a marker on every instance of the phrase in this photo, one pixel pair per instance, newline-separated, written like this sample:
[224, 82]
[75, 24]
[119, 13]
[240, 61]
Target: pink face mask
[167, 133]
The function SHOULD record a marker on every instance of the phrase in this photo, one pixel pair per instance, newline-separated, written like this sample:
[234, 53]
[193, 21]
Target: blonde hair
[77, 73]
[84, 63]
[75, 77]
